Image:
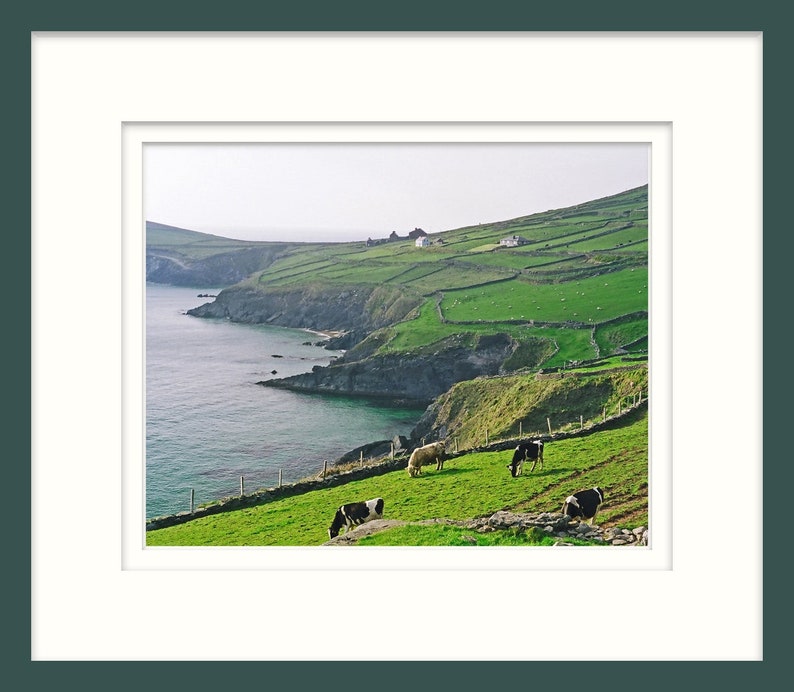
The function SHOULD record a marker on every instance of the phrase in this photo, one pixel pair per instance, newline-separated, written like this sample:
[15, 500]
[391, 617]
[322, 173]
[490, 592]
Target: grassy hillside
[192, 245]
[579, 280]
[472, 485]
[526, 405]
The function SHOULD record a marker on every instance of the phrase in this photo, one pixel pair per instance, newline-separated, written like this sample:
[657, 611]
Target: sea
[208, 422]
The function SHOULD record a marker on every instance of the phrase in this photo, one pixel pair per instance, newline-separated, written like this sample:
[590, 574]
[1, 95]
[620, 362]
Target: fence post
[192, 496]
[392, 450]
[620, 402]
[581, 422]
[521, 428]
[361, 458]
[486, 437]
[279, 478]
[548, 422]
[325, 466]
[456, 445]
[242, 486]
[604, 413]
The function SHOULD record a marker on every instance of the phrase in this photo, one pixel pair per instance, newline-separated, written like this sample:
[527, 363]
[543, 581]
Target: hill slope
[553, 288]
[181, 257]
[471, 485]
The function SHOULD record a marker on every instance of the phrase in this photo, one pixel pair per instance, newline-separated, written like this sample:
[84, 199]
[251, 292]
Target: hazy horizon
[346, 192]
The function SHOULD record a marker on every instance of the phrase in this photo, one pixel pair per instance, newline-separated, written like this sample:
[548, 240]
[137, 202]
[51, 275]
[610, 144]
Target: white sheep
[426, 455]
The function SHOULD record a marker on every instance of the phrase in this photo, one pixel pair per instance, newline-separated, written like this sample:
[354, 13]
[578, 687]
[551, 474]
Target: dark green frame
[767, 16]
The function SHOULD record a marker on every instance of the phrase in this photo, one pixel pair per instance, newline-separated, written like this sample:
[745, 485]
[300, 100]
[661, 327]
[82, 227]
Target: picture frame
[169, 584]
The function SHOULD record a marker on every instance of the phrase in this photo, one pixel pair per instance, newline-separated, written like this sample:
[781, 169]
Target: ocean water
[207, 421]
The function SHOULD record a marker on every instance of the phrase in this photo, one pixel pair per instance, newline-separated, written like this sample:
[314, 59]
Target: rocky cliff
[355, 310]
[222, 269]
[416, 376]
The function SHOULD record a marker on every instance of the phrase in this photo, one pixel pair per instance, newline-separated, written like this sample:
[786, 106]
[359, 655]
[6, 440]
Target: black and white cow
[526, 450]
[583, 504]
[355, 513]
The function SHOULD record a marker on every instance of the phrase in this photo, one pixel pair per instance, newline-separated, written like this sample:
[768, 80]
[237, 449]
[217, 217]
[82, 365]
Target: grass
[505, 407]
[472, 485]
[585, 300]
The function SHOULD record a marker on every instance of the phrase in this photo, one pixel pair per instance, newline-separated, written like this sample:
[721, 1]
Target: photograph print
[397, 344]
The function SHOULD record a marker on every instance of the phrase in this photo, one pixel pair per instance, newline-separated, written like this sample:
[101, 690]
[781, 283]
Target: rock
[415, 376]
[400, 442]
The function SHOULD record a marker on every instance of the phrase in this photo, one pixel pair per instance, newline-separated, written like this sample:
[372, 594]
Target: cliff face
[223, 269]
[416, 377]
[357, 310]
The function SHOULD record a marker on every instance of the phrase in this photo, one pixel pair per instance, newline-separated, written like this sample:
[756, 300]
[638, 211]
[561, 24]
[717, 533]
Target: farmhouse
[424, 241]
[513, 241]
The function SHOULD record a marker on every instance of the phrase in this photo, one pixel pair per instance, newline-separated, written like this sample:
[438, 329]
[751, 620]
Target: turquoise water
[207, 421]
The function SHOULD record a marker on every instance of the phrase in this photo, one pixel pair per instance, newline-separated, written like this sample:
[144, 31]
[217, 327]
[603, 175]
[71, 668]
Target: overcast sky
[340, 192]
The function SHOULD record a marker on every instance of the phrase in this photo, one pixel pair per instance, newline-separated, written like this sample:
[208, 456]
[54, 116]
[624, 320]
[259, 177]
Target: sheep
[425, 455]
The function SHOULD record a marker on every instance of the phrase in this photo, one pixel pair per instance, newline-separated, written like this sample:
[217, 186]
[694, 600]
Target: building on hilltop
[424, 241]
[513, 241]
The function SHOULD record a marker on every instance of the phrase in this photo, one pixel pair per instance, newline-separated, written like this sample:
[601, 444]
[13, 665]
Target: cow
[526, 450]
[426, 455]
[354, 514]
[583, 504]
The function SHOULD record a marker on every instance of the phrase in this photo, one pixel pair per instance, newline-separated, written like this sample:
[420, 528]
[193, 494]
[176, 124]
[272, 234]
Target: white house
[513, 241]
[424, 241]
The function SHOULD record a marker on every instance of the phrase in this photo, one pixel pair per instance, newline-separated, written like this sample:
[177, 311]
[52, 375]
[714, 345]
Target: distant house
[513, 241]
[416, 233]
[424, 241]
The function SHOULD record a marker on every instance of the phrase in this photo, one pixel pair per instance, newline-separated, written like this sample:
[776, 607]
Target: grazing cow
[355, 513]
[526, 450]
[426, 455]
[583, 504]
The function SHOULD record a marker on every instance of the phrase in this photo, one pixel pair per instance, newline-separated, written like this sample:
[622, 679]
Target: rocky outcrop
[413, 377]
[357, 310]
[553, 523]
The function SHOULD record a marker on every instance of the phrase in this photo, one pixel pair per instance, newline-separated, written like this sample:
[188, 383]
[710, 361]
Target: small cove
[207, 421]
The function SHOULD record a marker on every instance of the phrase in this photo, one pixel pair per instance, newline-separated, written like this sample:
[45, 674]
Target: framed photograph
[559, 94]
[389, 158]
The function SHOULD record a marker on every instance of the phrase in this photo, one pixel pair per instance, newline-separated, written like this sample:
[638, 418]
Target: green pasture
[614, 336]
[593, 299]
[426, 329]
[469, 486]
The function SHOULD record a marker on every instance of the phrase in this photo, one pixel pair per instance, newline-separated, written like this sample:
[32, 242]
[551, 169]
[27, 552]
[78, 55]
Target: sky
[346, 191]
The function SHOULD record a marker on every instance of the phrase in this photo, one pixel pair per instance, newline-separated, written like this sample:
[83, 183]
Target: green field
[595, 299]
[471, 485]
